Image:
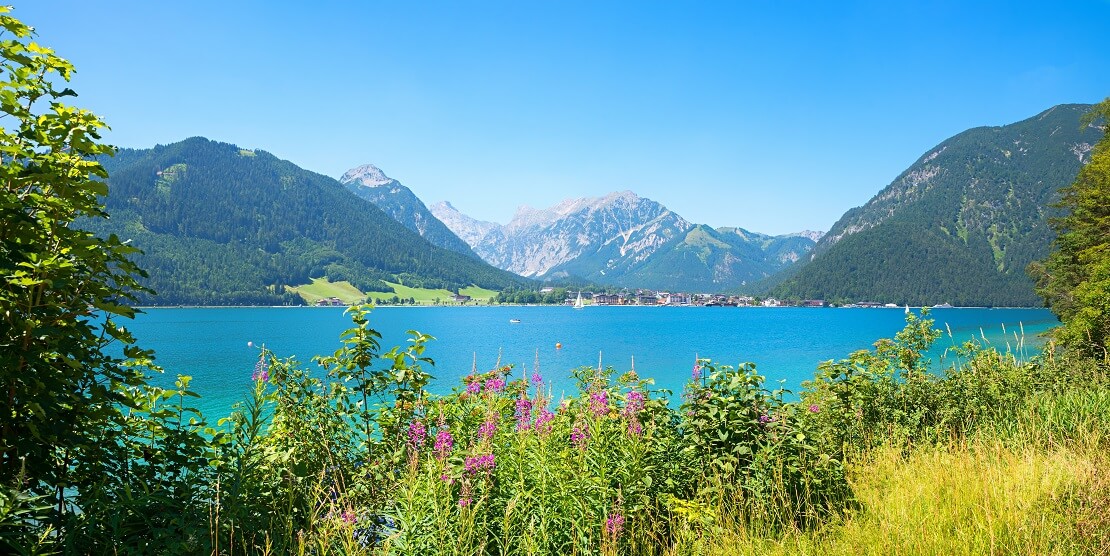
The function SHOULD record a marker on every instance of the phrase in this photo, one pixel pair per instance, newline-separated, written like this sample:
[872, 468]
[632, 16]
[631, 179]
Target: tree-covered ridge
[960, 225]
[224, 225]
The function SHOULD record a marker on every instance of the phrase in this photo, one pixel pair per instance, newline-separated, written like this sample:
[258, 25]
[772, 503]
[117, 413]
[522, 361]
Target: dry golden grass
[977, 498]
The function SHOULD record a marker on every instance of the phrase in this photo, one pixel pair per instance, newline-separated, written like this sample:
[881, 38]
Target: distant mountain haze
[627, 240]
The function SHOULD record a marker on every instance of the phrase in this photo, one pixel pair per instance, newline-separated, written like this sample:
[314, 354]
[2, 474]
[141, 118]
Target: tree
[1075, 278]
[60, 287]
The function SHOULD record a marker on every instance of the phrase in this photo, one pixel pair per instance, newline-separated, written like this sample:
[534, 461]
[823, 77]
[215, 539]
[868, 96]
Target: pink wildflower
[487, 429]
[599, 402]
[495, 385]
[633, 402]
[614, 525]
[261, 370]
[523, 414]
[417, 435]
[479, 463]
[579, 437]
[444, 443]
[543, 420]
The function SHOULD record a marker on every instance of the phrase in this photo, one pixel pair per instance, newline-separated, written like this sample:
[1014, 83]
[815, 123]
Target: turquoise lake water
[210, 344]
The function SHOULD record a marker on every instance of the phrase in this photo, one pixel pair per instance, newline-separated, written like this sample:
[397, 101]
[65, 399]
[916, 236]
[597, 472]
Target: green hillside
[224, 225]
[960, 225]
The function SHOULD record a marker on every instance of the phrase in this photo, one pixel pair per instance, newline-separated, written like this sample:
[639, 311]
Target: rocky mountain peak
[813, 235]
[366, 175]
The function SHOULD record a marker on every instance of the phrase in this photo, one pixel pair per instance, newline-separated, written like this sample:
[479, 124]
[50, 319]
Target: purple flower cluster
[696, 373]
[814, 408]
[479, 463]
[523, 414]
[417, 435]
[495, 385]
[474, 387]
[599, 402]
[537, 379]
[543, 420]
[486, 430]
[634, 402]
[444, 443]
[261, 370]
[635, 428]
[614, 525]
[579, 437]
[767, 418]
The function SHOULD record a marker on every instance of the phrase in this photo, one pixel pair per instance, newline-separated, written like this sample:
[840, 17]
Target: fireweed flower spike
[634, 402]
[543, 420]
[599, 402]
[814, 408]
[261, 369]
[417, 435]
[523, 414]
[614, 525]
[579, 437]
[475, 464]
[495, 385]
[487, 429]
[444, 443]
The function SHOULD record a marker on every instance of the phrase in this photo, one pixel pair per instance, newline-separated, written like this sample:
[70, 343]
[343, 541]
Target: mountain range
[220, 224]
[960, 225]
[626, 240]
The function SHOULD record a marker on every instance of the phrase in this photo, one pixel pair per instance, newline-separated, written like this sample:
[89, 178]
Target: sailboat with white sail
[578, 302]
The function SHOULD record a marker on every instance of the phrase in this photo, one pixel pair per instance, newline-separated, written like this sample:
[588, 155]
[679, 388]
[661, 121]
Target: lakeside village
[647, 298]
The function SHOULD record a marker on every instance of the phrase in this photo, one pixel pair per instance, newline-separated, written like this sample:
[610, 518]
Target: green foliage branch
[1075, 278]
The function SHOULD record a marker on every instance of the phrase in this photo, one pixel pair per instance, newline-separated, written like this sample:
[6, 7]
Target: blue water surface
[786, 344]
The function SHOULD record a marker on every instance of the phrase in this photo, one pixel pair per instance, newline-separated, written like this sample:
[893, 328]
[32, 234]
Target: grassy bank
[322, 288]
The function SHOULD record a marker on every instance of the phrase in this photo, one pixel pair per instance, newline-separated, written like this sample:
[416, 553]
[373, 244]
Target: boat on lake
[578, 302]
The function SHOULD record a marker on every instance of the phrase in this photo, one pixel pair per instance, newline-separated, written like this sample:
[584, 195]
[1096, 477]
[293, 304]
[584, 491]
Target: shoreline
[474, 306]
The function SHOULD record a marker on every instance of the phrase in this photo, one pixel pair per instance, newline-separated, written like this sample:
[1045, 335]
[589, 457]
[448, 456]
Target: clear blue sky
[774, 116]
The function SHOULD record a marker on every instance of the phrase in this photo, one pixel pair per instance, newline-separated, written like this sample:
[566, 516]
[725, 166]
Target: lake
[211, 344]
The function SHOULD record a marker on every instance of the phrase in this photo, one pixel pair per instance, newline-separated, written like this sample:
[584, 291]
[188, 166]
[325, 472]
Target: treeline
[532, 297]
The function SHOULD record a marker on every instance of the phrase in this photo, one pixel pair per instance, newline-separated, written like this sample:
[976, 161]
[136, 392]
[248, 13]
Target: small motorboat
[514, 321]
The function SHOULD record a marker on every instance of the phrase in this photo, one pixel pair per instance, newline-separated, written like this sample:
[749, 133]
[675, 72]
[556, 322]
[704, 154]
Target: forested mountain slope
[225, 225]
[958, 226]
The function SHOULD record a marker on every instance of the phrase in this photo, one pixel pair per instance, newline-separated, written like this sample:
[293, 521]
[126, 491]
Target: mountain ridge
[220, 224]
[960, 224]
[370, 182]
[623, 239]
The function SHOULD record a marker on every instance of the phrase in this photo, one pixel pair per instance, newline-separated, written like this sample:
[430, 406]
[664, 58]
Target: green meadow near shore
[322, 288]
